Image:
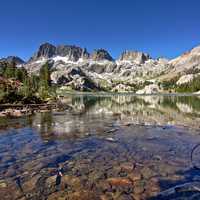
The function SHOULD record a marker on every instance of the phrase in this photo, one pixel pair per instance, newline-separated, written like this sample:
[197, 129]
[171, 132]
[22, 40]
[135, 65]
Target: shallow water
[108, 147]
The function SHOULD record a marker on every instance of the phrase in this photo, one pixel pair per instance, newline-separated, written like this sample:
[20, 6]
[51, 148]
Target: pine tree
[9, 72]
[26, 88]
[45, 81]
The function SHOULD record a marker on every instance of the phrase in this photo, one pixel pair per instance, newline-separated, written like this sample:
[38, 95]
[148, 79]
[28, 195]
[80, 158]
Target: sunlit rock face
[149, 89]
[185, 79]
[122, 88]
[134, 56]
[101, 54]
[188, 60]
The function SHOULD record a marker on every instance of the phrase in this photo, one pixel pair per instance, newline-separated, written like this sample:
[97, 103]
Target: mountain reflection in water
[98, 111]
[110, 147]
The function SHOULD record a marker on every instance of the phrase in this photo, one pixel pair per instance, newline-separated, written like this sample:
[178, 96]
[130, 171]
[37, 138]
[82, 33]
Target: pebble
[128, 167]
[135, 176]
[3, 184]
[139, 187]
[111, 139]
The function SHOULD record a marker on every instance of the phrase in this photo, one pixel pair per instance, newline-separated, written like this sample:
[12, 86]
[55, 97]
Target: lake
[103, 147]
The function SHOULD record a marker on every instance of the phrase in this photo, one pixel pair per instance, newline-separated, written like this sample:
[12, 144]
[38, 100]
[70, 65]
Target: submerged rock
[135, 175]
[139, 187]
[128, 167]
[3, 184]
[119, 181]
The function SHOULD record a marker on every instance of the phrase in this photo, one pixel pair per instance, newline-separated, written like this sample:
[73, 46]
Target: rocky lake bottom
[115, 147]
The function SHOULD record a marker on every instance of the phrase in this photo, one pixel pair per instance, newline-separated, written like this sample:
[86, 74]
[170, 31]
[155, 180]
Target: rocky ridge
[132, 71]
[11, 59]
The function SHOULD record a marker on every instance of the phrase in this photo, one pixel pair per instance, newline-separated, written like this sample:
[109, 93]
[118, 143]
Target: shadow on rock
[187, 188]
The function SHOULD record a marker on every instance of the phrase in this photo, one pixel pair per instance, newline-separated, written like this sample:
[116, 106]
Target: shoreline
[125, 93]
[19, 110]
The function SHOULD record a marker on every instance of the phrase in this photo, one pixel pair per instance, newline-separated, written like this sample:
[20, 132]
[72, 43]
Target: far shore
[124, 93]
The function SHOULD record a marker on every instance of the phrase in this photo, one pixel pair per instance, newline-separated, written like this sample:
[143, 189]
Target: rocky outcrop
[122, 88]
[149, 89]
[82, 84]
[74, 79]
[100, 68]
[185, 79]
[134, 56]
[100, 55]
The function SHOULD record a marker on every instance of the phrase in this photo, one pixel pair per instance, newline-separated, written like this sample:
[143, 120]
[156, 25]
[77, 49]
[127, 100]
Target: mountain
[130, 69]
[189, 61]
[74, 68]
[14, 59]
[70, 52]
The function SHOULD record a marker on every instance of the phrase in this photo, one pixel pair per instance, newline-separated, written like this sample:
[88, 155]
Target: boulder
[149, 89]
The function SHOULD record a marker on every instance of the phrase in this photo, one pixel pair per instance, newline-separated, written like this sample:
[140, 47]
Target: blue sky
[158, 27]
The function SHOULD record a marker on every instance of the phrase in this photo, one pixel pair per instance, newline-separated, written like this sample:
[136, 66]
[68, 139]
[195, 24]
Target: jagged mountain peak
[74, 53]
[134, 56]
[71, 52]
[46, 50]
[101, 54]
